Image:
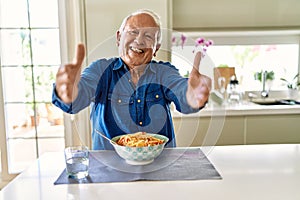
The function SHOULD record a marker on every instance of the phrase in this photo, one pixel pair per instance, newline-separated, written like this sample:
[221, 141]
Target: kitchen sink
[269, 101]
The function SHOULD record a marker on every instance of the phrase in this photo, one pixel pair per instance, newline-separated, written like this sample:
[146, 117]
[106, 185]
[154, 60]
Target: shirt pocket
[120, 108]
[155, 97]
[119, 99]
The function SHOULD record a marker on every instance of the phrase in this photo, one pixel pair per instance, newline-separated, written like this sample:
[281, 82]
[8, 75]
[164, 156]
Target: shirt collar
[151, 66]
[118, 64]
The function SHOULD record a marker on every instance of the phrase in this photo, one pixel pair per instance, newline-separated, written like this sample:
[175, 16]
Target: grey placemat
[172, 164]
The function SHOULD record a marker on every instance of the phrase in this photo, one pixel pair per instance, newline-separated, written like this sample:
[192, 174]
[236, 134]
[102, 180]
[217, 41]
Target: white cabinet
[204, 131]
[273, 129]
[237, 130]
[200, 15]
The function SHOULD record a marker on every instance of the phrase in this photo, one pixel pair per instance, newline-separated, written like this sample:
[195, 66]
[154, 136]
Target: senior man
[132, 92]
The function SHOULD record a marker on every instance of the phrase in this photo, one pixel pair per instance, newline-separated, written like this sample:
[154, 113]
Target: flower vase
[293, 93]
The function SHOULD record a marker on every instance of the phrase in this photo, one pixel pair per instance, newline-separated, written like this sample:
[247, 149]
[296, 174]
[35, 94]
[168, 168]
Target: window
[29, 59]
[249, 52]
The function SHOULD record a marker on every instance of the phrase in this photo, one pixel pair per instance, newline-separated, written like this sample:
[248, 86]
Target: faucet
[264, 93]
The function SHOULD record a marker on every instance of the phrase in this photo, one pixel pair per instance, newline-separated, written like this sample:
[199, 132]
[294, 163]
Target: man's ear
[118, 38]
[157, 48]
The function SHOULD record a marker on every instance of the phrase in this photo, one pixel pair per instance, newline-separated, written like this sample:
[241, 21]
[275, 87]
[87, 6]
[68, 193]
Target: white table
[248, 172]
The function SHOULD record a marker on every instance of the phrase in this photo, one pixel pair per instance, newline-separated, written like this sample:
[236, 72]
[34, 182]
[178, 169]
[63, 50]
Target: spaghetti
[139, 139]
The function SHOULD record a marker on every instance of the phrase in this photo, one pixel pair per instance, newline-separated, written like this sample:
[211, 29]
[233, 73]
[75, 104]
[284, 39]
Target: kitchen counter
[244, 109]
[246, 123]
[267, 172]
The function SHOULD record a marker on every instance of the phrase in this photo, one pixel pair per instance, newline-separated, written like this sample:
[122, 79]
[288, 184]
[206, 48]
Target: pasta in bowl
[139, 148]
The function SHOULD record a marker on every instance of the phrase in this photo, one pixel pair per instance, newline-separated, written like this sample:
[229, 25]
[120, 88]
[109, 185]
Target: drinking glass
[77, 161]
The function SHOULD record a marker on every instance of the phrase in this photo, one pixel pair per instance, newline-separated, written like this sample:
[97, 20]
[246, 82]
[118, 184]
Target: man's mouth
[137, 50]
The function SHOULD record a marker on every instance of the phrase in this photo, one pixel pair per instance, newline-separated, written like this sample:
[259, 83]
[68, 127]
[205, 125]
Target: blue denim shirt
[119, 107]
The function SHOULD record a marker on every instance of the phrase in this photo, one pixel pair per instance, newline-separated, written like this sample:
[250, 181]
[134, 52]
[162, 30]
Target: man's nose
[140, 39]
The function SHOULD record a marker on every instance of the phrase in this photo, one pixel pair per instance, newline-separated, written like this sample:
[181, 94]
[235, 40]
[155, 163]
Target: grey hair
[155, 17]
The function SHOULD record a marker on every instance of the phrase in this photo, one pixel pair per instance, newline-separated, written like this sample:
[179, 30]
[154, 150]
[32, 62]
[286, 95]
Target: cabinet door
[203, 131]
[273, 129]
[235, 14]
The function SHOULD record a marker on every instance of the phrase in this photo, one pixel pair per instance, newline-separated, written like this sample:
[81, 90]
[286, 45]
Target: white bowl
[140, 155]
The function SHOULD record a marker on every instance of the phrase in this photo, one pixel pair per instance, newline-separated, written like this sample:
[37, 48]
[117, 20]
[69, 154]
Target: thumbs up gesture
[68, 76]
[199, 85]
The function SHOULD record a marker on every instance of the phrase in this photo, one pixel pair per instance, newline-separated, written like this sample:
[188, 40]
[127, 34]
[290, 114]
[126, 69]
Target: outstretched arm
[68, 76]
[199, 85]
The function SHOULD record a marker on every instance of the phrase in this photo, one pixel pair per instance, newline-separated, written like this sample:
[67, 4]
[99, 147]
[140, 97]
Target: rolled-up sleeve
[74, 107]
[175, 88]
[59, 103]
[86, 88]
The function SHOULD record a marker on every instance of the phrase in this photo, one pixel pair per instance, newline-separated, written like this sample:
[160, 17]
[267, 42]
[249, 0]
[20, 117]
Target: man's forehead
[141, 21]
[148, 29]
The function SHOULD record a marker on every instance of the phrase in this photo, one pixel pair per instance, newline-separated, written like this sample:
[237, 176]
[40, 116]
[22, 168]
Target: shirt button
[119, 101]
[141, 123]
[139, 101]
[157, 96]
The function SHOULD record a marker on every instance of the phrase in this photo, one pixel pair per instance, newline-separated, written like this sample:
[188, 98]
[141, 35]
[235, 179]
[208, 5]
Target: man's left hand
[199, 85]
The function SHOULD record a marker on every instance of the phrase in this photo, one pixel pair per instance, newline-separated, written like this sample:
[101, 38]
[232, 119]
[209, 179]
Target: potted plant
[292, 86]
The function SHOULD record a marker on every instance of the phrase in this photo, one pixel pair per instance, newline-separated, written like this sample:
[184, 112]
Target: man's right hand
[68, 76]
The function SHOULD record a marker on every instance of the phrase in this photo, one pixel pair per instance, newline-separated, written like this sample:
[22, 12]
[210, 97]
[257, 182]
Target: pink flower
[204, 44]
[173, 39]
[208, 43]
[183, 39]
[199, 41]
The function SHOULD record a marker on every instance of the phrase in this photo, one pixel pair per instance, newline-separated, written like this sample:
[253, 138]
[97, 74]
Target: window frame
[6, 175]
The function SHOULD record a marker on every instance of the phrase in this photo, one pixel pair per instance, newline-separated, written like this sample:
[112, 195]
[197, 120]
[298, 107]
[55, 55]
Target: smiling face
[138, 43]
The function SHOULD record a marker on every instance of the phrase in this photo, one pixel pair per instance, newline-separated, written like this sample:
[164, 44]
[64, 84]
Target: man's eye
[148, 36]
[133, 32]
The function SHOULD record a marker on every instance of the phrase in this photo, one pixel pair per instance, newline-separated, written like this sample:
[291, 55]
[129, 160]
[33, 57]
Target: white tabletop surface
[249, 172]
